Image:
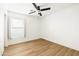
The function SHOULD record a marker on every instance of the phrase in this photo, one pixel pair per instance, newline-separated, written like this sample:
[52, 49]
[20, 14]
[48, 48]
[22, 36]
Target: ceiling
[25, 8]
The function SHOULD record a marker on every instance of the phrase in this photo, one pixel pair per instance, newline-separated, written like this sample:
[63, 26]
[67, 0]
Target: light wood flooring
[39, 47]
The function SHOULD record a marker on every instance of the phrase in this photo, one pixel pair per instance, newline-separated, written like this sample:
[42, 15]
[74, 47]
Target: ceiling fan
[39, 10]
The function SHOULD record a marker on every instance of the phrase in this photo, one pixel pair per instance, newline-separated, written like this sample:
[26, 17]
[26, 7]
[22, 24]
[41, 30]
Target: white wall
[21, 10]
[32, 26]
[1, 31]
[62, 27]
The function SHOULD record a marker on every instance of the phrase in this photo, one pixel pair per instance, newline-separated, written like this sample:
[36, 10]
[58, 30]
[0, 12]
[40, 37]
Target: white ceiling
[61, 6]
[27, 7]
[55, 7]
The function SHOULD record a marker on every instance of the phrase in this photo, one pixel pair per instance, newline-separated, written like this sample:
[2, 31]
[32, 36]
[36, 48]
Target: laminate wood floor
[39, 47]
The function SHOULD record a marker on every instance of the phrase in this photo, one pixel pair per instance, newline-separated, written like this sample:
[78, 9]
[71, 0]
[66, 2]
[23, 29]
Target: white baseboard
[1, 52]
[60, 44]
[11, 42]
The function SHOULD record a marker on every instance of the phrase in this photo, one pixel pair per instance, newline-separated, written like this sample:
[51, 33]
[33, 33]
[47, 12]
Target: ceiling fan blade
[32, 12]
[40, 14]
[45, 9]
[34, 4]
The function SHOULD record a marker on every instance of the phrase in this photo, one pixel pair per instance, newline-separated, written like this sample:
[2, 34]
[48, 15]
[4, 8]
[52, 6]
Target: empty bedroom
[39, 29]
